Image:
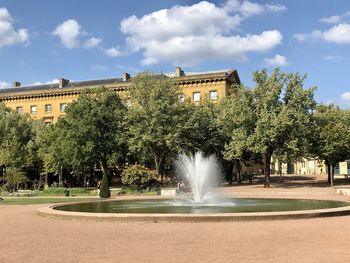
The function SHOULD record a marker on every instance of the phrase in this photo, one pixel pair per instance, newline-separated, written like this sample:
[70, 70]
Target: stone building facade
[48, 101]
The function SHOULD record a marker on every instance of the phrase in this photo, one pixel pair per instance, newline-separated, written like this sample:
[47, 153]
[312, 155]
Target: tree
[236, 121]
[201, 131]
[94, 128]
[15, 135]
[332, 136]
[156, 118]
[54, 149]
[283, 114]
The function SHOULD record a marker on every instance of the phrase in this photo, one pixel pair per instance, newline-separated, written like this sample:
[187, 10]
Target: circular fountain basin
[169, 210]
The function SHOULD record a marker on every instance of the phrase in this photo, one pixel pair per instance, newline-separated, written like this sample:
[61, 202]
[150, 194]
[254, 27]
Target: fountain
[201, 173]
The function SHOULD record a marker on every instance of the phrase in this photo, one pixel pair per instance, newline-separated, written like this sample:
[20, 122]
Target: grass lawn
[45, 200]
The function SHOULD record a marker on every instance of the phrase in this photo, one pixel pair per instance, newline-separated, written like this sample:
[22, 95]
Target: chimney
[126, 76]
[63, 82]
[16, 84]
[179, 72]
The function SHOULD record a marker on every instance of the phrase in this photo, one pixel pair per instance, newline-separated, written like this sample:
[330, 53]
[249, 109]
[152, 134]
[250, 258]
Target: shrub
[104, 191]
[138, 177]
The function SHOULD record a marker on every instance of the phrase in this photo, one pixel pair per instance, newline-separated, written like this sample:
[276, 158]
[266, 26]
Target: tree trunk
[230, 177]
[46, 183]
[85, 179]
[104, 186]
[267, 169]
[332, 174]
[104, 168]
[280, 170]
[158, 163]
[329, 173]
[2, 176]
[239, 175]
[60, 177]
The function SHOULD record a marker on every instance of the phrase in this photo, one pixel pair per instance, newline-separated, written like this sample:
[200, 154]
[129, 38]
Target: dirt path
[27, 237]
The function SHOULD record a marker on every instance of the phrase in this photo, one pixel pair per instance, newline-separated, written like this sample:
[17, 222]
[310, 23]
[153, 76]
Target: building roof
[76, 86]
[71, 84]
[172, 74]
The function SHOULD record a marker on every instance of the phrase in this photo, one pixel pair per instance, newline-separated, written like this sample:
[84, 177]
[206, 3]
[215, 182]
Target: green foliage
[93, 132]
[15, 176]
[155, 118]
[138, 177]
[129, 191]
[273, 117]
[201, 131]
[236, 121]
[15, 144]
[333, 133]
[331, 136]
[59, 191]
[104, 191]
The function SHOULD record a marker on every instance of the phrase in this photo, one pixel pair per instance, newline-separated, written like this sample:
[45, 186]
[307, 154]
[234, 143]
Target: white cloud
[247, 8]
[68, 32]
[339, 34]
[8, 35]
[92, 42]
[4, 84]
[277, 61]
[331, 20]
[276, 8]
[190, 34]
[335, 19]
[113, 52]
[346, 96]
[333, 57]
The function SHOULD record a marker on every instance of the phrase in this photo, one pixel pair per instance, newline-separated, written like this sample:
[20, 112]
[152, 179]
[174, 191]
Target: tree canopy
[332, 136]
[156, 118]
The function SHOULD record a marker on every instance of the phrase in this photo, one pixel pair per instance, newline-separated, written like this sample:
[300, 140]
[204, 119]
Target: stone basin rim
[49, 211]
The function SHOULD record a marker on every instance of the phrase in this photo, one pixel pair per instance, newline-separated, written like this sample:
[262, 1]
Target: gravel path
[27, 237]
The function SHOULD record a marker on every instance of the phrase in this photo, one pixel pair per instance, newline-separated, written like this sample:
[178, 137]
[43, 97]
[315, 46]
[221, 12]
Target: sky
[42, 40]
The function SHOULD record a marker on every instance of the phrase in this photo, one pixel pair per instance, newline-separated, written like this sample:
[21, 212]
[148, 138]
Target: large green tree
[156, 118]
[283, 115]
[236, 122]
[55, 150]
[15, 136]
[332, 136]
[94, 131]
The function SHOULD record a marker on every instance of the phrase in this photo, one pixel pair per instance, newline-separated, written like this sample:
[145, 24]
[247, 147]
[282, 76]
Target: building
[48, 101]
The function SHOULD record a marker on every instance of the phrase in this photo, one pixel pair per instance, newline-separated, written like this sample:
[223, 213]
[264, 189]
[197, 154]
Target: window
[196, 96]
[48, 108]
[48, 120]
[181, 98]
[19, 109]
[213, 95]
[33, 109]
[63, 107]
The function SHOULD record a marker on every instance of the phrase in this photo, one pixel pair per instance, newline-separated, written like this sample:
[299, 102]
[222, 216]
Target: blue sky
[43, 40]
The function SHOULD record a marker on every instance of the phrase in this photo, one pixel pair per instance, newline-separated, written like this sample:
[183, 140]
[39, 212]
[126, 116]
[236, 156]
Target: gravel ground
[27, 237]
